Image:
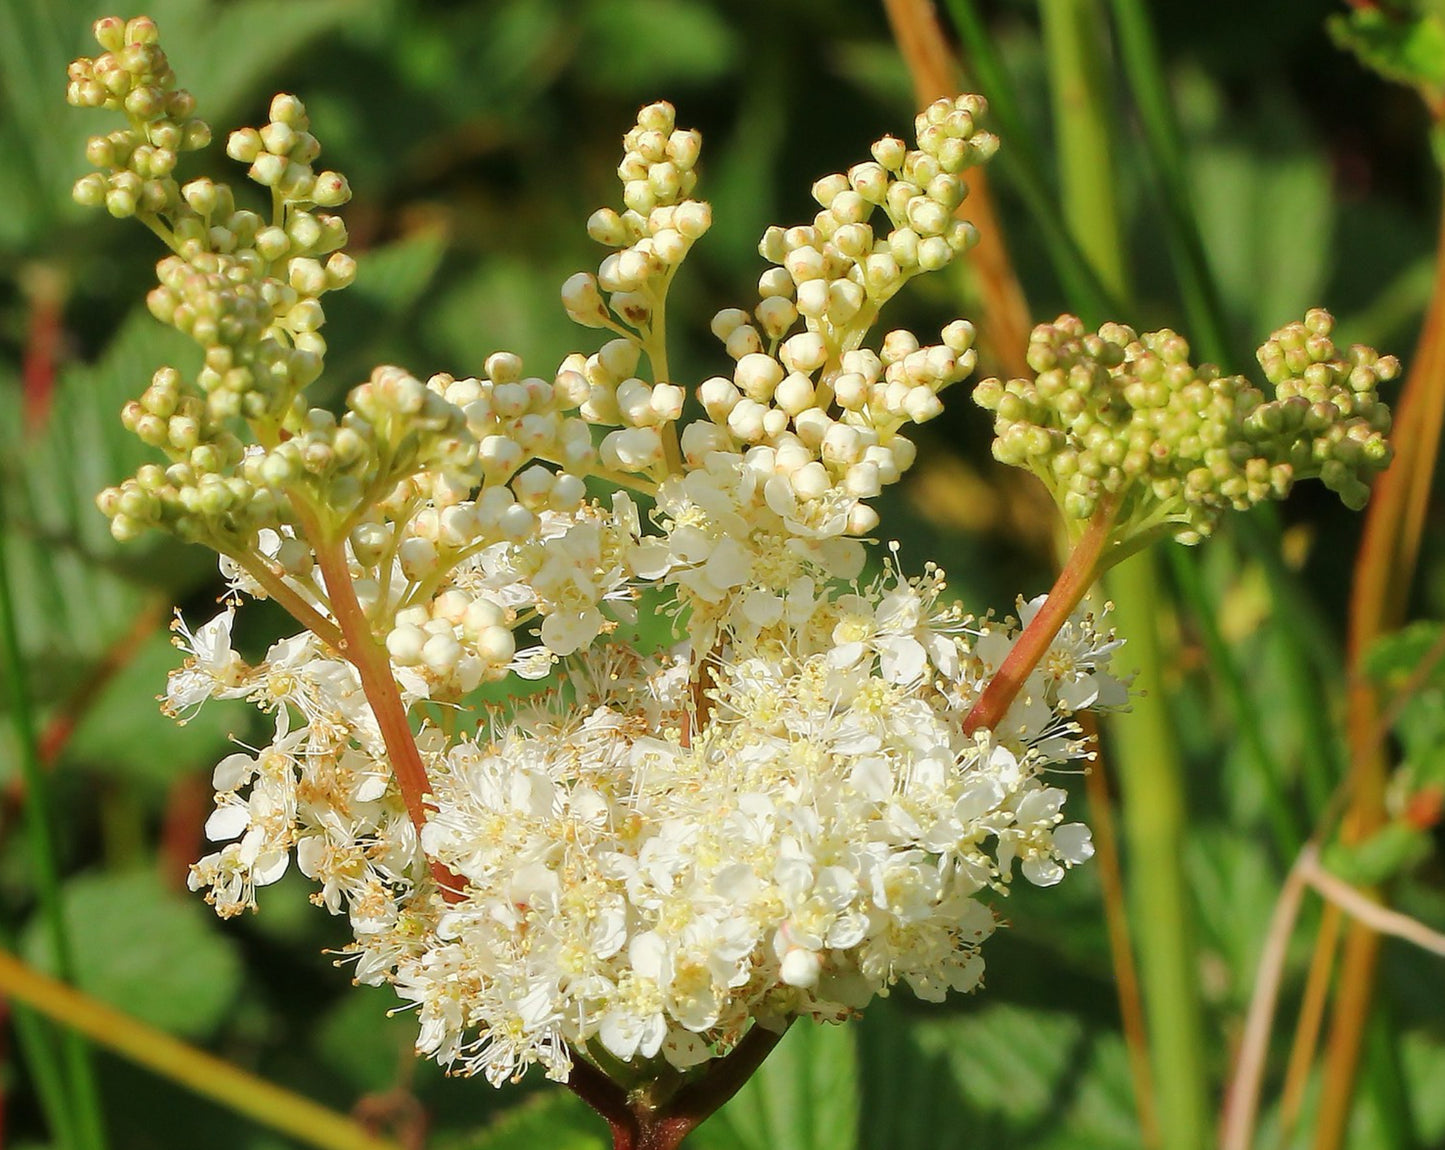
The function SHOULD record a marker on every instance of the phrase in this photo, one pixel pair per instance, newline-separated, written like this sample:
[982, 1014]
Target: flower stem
[373, 666]
[1085, 563]
[930, 62]
[1389, 553]
[638, 1125]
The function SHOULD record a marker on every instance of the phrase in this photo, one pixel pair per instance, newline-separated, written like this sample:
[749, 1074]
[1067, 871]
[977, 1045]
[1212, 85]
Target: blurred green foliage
[478, 135]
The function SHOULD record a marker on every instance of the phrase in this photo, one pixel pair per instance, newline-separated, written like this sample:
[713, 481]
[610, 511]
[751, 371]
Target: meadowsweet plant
[639, 876]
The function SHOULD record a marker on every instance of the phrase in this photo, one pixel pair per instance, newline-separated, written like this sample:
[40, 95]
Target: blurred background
[478, 135]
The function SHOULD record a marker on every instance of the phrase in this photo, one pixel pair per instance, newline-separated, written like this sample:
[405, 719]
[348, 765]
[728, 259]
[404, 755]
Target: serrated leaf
[555, 1119]
[1409, 49]
[1002, 1076]
[153, 953]
[805, 1097]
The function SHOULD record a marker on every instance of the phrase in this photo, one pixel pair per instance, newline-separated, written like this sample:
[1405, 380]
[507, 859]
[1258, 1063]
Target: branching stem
[1084, 566]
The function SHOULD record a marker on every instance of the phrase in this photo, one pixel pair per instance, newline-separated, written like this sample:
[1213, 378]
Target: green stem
[1148, 84]
[84, 1096]
[1022, 162]
[1151, 776]
[195, 1070]
[1145, 753]
[1283, 825]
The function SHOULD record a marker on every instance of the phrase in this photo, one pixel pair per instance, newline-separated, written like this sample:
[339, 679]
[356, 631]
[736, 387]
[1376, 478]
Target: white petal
[227, 822]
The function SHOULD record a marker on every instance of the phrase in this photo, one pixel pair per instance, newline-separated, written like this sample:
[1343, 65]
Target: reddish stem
[42, 345]
[636, 1125]
[1079, 574]
[369, 658]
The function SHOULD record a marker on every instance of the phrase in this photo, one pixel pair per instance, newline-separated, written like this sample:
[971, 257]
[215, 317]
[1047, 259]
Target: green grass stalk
[83, 1097]
[1144, 752]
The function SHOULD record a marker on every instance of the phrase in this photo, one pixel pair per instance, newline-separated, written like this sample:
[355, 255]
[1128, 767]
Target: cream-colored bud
[922, 405]
[813, 298]
[862, 519]
[718, 397]
[441, 652]
[826, 189]
[842, 444]
[404, 644]
[482, 614]
[693, 218]
[812, 425]
[790, 454]
[268, 170]
[533, 487]
[568, 492]
[606, 227]
[516, 523]
[934, 254]
[743, 341]
[499, 456]
[795, 393]
[496, 645]
[667, 401]
[330, 190]
[619, 357]
[870, 181]
[882, 274]
[807, 351]
[571, 389]
[745, 420]
[418, 558]
[700, 438]
[776, 314]
[775, 282]
[758, 376]
[727, 321]
[805, 263]
[811, 481]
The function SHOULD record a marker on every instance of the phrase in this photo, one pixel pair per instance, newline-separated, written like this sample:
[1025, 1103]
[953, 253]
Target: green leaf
[620, 41]
[805, 1097]
[1409, 49]
[1393, 848]
[1394, 659]
[555, 1119]
[125, 734]
[1266, 217]
[362, 1041]
[151, 952]
[225, 53]
[1003, 1077]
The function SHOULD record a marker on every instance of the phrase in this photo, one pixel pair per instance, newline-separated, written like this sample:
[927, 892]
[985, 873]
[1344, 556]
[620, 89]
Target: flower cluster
[784, 814]
[1121, 417]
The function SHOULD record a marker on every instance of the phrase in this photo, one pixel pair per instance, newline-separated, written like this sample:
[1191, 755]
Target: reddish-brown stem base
[638, 1126]
[1080, 572]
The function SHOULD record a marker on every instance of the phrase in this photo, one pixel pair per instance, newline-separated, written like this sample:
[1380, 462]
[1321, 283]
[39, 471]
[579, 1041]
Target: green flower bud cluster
[837, 272]
[133, 76]
[246, 288]
[652, 235]
[1126, 418]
